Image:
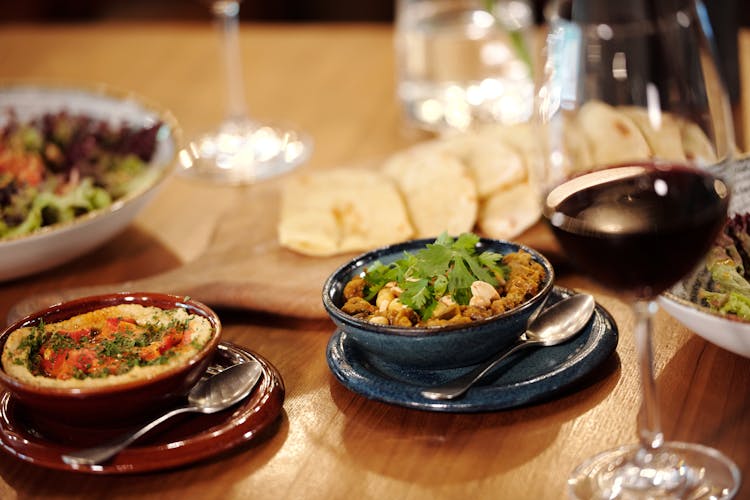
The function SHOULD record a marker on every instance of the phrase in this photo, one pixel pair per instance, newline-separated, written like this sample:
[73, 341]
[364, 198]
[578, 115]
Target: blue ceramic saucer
[530, 376]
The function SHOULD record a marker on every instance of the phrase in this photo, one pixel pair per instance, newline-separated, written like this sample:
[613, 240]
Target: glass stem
[649, 424]
[226, 13]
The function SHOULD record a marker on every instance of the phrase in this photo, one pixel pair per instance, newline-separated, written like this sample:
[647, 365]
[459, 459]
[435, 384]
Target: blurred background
[727, 16]
[723, 11]
[264, 10]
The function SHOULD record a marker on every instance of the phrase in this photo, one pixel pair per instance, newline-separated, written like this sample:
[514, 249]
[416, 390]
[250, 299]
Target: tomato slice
[25, 168]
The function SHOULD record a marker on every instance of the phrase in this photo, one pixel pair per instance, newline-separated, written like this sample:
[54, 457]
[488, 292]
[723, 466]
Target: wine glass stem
[226, 13]
[649, 426]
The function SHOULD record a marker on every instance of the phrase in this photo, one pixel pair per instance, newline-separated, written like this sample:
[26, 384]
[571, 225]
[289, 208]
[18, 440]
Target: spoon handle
[456, 387]
[104, 452]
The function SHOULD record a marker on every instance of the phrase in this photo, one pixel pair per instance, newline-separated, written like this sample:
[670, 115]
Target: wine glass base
[679, 470]
[244, 152]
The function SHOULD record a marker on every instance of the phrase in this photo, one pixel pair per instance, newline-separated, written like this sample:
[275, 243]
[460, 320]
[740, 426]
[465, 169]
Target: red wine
[638, 228]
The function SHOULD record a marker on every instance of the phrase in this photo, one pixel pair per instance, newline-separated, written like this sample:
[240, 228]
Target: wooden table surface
[336, 81]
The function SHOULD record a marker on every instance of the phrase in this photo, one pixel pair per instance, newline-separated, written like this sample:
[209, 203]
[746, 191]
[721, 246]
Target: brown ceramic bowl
[128, 401]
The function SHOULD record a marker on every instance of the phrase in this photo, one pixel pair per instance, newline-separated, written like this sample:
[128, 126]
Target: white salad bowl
[726, 332]
[682, 302]
[53, 245]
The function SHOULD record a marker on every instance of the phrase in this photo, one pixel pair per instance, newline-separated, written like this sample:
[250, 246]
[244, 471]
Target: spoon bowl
[224, 389]
[210, 395]
[555, 325]
[561, 321]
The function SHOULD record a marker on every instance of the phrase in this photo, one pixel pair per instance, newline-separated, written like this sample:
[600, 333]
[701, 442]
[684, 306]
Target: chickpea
[378, 320]
[482, 294]
[446, 308]
[386, 295]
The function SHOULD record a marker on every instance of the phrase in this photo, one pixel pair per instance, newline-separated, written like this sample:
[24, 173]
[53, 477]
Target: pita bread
[493, 164]
[525, 139]
[440, 193]
[580, 157]
[337, 211]
[611, 135]
[508, 213]
[662, 134]
[519, 136]
[696, 144]
[577, 151]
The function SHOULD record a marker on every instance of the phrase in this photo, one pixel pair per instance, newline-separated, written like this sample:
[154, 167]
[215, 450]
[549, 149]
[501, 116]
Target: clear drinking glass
[464, 62]
[636, 186]
[241, 150]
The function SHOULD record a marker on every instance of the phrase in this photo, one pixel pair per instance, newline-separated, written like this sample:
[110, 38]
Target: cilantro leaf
[459, 282]
[376, 277]
[435, 260]
[416, 294]
[466, 241]
[404, 268]
[440, 285]
[480, 271]
[491, 260]
[444, 240]
[446, 267]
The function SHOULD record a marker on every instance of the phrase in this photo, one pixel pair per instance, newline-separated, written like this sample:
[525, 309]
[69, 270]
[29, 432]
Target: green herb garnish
[117, 347]
[445, 267]
[58, 341]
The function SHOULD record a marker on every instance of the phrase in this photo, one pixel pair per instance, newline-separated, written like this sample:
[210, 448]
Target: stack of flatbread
[452, 185]
[478, 181]
[601, 134]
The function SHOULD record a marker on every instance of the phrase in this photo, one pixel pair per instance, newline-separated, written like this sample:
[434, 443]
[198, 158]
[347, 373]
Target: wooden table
[337, 83]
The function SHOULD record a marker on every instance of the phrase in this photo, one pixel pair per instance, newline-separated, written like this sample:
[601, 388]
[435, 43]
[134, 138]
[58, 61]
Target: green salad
[59, 166]
[728, 261]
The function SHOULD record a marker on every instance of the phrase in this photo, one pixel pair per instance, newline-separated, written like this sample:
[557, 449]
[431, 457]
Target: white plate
[56, 244]
[728, 333]
[681, 301]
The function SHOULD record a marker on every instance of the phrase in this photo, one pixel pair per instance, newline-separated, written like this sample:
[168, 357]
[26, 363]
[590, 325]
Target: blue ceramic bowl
[435, 347]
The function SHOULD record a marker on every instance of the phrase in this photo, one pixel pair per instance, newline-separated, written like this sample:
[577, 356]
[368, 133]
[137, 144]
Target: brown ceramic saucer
[42, 441]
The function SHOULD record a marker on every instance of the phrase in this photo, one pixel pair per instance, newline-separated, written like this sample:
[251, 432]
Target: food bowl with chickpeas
[438, 303]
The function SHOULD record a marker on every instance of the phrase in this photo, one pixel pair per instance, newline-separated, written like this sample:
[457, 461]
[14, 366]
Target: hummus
[105, 347]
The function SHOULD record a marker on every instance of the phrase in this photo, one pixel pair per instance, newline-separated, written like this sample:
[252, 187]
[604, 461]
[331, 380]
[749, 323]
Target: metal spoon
[560, 322]
[210, 395]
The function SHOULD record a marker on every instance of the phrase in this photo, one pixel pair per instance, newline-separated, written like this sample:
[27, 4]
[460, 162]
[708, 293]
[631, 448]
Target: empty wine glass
[241, 150]
[635, 186]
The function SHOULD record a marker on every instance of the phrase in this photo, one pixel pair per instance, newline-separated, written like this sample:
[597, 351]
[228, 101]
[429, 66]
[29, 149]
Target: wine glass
[241, 150]
[635, 186]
